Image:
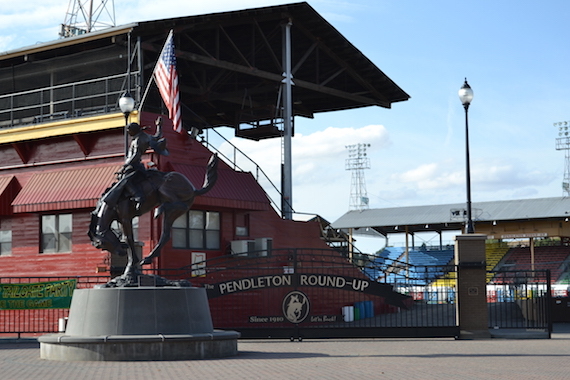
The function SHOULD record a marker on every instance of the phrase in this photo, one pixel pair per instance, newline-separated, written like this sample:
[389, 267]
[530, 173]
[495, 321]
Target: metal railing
[214, 140]
[255, 284]
[83, 98]
[520, 300]
[346, 301]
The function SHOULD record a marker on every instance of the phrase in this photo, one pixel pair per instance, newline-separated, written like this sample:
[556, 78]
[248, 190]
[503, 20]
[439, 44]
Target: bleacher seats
[392, 265]
[554, 258]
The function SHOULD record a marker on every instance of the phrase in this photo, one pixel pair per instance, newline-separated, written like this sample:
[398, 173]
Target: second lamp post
[466, 96]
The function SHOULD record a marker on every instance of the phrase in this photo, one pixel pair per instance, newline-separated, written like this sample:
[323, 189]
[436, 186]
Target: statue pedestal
[139, 323]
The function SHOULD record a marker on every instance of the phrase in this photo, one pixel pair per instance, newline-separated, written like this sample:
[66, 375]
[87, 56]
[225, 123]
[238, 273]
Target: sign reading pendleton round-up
[310, 280]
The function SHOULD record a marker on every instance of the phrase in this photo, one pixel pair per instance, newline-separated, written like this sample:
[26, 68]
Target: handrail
[40, 103]
[258, 170]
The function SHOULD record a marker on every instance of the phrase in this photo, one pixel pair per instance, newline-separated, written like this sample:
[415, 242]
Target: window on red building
[56, 233]
[197, 229]
[5, 243]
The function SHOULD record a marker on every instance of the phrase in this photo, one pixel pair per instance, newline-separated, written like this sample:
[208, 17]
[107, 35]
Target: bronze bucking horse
[171, 194]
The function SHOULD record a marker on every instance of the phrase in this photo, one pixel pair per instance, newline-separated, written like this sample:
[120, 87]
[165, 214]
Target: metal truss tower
[85, 16]
[563, 143]
[357, 162]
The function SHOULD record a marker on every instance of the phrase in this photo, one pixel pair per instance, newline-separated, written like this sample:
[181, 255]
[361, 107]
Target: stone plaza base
[139, 323]
[144, 347]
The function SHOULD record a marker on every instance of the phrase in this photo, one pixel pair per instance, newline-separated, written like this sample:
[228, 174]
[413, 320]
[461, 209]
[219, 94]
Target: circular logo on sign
[296, 306]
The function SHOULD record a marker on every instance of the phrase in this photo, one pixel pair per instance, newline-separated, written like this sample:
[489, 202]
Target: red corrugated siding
[8, 188]
[4, 182]
[232, 190]
[64, 189]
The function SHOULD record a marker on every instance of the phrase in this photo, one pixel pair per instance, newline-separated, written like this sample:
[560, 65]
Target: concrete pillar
[471, 306]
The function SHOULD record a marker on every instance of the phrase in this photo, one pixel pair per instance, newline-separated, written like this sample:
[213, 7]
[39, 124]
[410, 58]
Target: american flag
[166, 78]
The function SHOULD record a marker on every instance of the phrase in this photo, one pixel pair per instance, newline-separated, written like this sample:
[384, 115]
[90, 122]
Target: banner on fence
[39, 295]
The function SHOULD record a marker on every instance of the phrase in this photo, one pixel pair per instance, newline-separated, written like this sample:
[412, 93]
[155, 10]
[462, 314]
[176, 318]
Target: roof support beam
[23, 151]
[204, 60]
[344, 64]
[268, 46]
[236, 49]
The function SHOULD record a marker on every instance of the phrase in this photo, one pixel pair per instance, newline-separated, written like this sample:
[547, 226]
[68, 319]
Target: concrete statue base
[139, 323]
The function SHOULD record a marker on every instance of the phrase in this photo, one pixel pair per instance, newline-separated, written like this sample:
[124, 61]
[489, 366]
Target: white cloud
[27, 23]
[6, 41]
[492, 178]
[509, 175]
[320, 181]
[421, 173]
[319, 154]
[431, 176]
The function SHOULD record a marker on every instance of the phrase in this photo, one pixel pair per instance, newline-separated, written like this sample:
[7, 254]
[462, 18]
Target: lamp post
[127, 105]
[466, 96]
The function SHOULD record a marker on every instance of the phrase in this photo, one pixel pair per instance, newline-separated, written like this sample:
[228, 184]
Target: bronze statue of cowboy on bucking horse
[138, 191]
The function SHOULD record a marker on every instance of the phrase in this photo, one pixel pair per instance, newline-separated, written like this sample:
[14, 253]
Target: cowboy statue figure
[137, 191]
[133, 171]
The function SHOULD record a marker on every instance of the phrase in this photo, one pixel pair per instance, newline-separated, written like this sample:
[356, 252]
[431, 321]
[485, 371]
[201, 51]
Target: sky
[514, 54]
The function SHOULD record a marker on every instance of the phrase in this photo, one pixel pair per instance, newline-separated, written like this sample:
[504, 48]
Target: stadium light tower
[357, 162]
[563, 143]
[86, 16]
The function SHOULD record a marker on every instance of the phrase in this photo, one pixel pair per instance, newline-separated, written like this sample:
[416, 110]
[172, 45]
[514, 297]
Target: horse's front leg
[171, 212]
[133, 259]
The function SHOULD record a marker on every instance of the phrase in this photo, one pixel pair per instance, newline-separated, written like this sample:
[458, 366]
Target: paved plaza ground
[324, 359]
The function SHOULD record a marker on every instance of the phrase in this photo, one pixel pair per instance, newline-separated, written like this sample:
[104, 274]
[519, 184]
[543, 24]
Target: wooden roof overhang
[231, 65]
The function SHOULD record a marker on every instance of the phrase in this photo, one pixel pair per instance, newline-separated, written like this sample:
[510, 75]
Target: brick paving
[324, 359]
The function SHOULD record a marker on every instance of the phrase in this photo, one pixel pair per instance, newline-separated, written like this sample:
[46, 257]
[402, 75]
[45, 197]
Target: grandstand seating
[392, 266]
[443, 257]
[494, 253]
[415, 257]
[545, 257]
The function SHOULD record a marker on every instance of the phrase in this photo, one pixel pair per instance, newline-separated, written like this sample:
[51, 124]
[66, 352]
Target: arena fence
[520, 300]
[302, 293]
[313, 293]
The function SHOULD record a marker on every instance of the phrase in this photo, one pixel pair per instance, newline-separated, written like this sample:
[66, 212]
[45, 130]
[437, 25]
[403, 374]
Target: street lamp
[466, 96]
[127, 105]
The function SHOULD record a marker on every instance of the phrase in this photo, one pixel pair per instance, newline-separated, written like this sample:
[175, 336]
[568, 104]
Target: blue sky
[515, 55]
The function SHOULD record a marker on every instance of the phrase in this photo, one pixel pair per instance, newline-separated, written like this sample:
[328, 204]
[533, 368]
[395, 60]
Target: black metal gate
[520, 300]
[311, 293]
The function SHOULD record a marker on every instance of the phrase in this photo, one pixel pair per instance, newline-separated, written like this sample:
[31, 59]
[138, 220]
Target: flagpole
[152, 76]
[146, 92]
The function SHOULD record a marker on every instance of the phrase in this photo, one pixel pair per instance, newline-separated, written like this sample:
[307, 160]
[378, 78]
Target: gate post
[471, 302]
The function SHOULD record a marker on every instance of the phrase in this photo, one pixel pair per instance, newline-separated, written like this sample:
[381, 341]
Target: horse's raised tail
[211, 175]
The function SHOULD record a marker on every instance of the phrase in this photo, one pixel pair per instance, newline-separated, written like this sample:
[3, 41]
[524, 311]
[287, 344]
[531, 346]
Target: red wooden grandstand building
[62, 139]
[62, 133]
